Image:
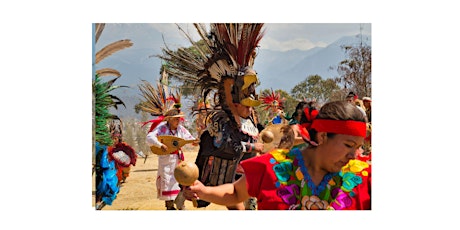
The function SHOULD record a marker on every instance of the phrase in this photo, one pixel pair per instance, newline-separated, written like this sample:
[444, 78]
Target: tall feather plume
[99, 28]
[112, 48]
[157, 101]
[108, 72]
[214, 63]
[239, 41]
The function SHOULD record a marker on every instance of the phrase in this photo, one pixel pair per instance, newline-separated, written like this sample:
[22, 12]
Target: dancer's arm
[225, 194]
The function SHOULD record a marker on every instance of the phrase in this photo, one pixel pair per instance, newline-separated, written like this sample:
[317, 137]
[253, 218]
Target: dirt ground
[139, 190]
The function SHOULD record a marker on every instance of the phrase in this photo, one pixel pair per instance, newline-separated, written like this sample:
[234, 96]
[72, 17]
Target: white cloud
[299, 43]
[304, 36]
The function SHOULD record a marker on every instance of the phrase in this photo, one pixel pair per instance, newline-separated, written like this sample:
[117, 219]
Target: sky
[288, 36]
[46, 102]
[149, 38]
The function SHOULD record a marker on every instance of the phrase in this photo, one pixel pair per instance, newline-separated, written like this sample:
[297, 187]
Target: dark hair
[299, 109]
[338, 110]
[351, 94]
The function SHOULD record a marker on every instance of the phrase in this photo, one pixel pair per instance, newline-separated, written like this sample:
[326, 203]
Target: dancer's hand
[164, 147]
[191, 192]
[259, 147]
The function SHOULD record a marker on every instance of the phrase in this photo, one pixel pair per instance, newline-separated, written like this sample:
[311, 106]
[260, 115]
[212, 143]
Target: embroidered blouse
[163, 129]
[280, 181]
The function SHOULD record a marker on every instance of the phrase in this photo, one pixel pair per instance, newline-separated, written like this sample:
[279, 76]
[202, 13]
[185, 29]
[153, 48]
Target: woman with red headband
[323, 176]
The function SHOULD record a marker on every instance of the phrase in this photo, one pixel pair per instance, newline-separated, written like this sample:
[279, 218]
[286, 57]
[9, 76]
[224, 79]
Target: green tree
[174, 60]
[314, 87]
[355, 71]
[128, 132]
[141, 134]
[103, 100]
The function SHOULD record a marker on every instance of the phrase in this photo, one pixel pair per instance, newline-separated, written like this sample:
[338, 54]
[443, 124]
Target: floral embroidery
[163, 129]
[289, 193]
[299, 174]
[296, 188]
[282, 171]
[279, 154]
[355, 166]
[331, 182]
[313, 203]
[342, 200]
[349, 181]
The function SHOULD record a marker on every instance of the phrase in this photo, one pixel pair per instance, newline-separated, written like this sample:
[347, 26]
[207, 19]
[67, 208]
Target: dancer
[325, 175]
[167, 109]
[121, 152]
[274, 106]
[222, 66]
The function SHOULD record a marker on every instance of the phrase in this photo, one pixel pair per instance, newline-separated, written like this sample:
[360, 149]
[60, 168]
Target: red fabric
[123, 146]
[362, 198]
[304, 131]
[261, 180]
[168, 193]
[310, 115]
[354, 128]
[154, 122]
[180, 154]
[306, 125]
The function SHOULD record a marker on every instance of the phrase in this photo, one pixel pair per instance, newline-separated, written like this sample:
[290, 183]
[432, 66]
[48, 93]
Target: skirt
[167, 186]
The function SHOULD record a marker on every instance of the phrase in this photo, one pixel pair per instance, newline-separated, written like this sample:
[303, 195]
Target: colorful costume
[167, 186]
[165, 104]
[105, 168]
[106, 178]
[222, 64]
[223, 146]
[273, 104]
[280, 181]
[124, 156]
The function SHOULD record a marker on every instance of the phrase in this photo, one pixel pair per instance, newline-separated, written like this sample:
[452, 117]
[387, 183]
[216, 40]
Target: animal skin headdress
[159, 101]
[221, 62]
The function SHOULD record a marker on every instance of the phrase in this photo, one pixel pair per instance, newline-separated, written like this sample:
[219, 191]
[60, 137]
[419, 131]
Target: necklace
[171, 131]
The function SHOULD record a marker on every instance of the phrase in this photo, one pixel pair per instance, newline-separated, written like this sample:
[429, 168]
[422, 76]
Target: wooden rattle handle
[186, 173]
[195, 203]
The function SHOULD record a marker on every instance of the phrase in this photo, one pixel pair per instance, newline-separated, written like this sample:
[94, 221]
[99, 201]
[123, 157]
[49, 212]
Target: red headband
[353, 128]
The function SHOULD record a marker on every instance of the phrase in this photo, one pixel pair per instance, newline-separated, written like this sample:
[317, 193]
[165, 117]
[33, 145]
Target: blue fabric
[108, 186]
[277, 120]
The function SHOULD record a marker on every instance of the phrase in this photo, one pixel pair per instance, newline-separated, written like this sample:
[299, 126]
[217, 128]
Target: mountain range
[276, 69]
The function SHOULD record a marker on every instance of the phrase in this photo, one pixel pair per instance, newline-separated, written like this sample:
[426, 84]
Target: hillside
[276, 69]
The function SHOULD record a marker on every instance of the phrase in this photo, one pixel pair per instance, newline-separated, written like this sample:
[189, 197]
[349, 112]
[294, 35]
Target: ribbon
[353, 128]
[154, 122]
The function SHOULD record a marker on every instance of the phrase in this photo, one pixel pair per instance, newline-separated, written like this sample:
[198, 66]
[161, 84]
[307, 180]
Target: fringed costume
[121, 152]
[221, 65]
[103, 164]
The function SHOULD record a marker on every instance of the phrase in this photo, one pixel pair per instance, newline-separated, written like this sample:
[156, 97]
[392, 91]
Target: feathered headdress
[159, 101]
[272, 100]
[222, 62]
